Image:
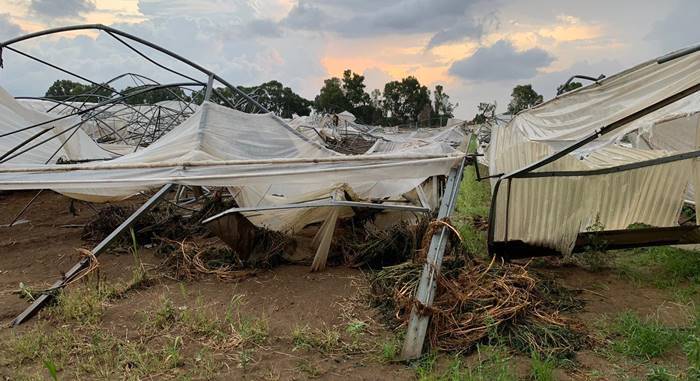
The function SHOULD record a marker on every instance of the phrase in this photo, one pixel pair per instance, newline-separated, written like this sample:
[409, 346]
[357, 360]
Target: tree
[485, 111]
[405, 100]
[443, 108]
[272, 95]
[354, 89]
[523, 97]
[331, 98]
[279, 99]
[141, 96]
[565, 88]
[64, 89]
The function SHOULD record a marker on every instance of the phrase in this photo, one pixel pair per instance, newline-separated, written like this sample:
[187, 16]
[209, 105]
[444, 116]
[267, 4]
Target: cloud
[467, 29]
[264, 28]
[235, 11]
[8, 29]
[679, 28]
[61, 9]
[501, 62]
[214, 43]
[456, 33]
[448, 20]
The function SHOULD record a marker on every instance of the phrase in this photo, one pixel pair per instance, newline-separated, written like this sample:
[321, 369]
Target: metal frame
[330, 202]
[425, 294]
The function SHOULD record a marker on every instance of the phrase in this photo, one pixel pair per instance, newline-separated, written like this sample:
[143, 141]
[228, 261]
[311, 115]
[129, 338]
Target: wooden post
[418, 324]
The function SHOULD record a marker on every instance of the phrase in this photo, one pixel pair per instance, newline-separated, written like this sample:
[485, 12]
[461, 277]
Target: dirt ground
[37, 250]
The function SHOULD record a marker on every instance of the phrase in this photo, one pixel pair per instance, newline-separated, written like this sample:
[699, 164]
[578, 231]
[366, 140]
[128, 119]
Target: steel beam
[418, 323]
[319, 204]
[45, 297]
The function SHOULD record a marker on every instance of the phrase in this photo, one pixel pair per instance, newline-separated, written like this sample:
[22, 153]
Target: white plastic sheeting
[551, 211]
[69, 142]
[218, 146]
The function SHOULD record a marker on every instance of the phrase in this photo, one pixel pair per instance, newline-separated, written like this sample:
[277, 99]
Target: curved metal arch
[110, 30]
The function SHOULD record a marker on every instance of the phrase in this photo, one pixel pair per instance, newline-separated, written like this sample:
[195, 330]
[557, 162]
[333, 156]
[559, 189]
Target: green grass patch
[471, 210]
[642, 338]
[493, 364]
[662, 266]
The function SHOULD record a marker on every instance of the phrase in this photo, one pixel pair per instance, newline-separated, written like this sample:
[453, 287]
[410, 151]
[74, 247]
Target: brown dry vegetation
[133, 318]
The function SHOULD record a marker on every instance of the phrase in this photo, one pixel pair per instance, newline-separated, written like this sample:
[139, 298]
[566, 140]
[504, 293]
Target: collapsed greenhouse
[281, 175]
[619, 153]
[594, 162]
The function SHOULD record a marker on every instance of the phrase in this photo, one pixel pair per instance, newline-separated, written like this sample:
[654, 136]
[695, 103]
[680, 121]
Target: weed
[692, 351]
[51, 367]
[205, 363]
[493, 365]
[356, 327]
[245, 358]
[472, 207]
[541, 369]
[595, 256]
[389, 350]
[663, 266]
[641, 339]
[252, 330]
[659, 374]
[83, 304]
[308, 368]
[325, 340]
[425, 366]
[172, 353]
[165, 315]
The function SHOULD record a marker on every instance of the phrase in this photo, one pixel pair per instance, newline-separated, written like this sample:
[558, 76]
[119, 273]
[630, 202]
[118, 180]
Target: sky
[478, 50]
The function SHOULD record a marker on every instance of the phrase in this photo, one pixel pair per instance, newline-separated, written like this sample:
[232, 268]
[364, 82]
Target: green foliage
[692, 351]
[523, 97]
[663, 266]
[389, 350]
[472, 206]
[443, 108]
[348, 93]
[140, 95]
[595, 256]
[485, 111]
[566, 87]
[279, 99]
[67, 90]
[51, 367]
[331, 98]
[659, 373]
[493, 365]
[404, 100]
[541, 369]
[84, 305]
[642, 338]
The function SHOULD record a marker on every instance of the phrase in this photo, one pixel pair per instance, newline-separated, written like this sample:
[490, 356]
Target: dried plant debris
[166, 220]
[483, 302]
[374, 248]
[190, 259]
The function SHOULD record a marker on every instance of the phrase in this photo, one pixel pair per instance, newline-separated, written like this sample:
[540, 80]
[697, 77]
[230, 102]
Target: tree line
[403, 101]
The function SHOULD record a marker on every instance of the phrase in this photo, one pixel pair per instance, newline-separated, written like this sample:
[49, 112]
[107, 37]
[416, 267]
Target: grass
[662, 266]
[325, 340]
[89, 353]
[493, 364]
[171, 342]
[472, 205]
[541, 369]
[642, 339]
